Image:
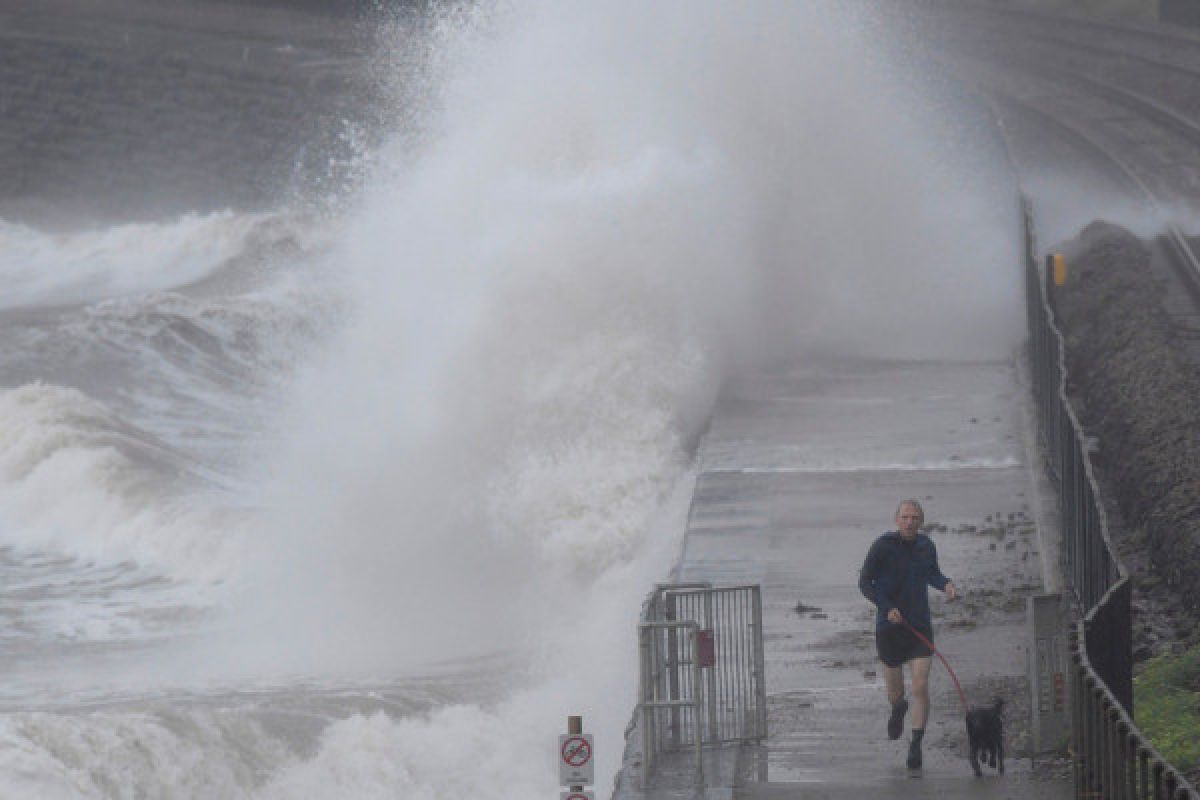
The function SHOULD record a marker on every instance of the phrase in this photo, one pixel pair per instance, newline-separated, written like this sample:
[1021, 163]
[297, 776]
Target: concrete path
[799, 473]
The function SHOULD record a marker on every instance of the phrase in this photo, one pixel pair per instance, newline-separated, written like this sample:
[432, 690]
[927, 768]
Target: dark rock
[1137, 388]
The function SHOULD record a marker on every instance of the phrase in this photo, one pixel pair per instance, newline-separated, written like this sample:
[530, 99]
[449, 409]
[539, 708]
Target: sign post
[576, 761]
[1047, 673]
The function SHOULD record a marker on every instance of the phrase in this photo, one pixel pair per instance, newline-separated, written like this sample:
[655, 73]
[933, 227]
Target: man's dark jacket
[896, 574]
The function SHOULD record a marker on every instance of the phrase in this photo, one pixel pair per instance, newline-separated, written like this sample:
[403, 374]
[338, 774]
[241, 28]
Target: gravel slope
[1137, 392]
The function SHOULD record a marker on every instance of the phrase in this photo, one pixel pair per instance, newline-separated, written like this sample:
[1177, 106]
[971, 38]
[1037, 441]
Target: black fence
[1112, 759]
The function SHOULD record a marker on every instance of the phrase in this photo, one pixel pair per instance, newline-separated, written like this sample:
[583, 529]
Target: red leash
[945, 663]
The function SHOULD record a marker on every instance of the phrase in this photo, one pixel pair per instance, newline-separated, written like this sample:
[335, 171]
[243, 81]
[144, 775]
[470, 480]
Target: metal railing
[669, 700]
[1091, 566]
[1112, 758]
[702, 670]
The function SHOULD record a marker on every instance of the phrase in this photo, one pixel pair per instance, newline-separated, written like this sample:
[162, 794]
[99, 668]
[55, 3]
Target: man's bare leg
[893, 679]
[920, 690]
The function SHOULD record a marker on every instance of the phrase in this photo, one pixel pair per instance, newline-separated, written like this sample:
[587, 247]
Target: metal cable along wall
[1112, 758]
[702, 671]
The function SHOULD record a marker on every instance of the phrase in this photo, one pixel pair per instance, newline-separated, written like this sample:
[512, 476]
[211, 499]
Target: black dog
[985, 734]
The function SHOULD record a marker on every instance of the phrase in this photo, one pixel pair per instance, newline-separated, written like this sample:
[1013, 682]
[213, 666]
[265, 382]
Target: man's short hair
[911, 502]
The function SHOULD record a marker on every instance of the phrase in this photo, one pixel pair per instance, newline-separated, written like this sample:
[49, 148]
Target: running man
[900, 565]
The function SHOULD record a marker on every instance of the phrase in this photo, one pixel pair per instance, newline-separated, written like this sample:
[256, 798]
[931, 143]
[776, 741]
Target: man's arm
[868, 578]
[939, 581]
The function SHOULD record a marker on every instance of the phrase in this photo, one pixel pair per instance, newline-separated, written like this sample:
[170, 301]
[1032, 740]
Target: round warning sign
[575, 762]
[576, 751]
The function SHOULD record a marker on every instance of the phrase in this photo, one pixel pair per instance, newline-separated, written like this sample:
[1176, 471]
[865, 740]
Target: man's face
[908, 521]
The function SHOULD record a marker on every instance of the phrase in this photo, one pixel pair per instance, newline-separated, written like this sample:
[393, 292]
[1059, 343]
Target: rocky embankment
[135, 109]
[1138, 393]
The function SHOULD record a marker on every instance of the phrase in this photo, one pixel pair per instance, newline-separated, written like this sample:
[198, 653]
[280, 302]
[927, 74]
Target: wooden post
[575, 728]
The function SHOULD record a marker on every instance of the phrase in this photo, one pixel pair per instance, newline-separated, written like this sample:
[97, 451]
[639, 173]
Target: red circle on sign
[576, 751]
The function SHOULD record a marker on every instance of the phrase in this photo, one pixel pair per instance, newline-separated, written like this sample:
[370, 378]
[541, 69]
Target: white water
[57, 269]
[448, 436]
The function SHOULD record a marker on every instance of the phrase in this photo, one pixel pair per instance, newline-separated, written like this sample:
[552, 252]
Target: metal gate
[702, 674]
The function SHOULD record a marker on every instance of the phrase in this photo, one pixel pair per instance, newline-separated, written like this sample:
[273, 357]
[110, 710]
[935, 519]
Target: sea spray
[615, 206]
[602, 212]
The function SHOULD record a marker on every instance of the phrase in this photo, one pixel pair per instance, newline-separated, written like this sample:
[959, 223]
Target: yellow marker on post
[1060, 269]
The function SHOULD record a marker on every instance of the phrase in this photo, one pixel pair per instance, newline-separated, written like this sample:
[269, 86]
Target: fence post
[710, 682]
[694, 633]
[760, 670]
[1120, 631]
[645, 651]
[673, 693]
[1078, 747]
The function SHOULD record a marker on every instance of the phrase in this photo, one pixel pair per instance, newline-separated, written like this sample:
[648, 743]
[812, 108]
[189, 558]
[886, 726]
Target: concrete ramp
[800, 471]
[907, 788]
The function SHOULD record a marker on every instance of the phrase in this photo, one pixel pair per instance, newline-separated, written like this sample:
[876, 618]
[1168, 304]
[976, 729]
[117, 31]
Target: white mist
[615, 205]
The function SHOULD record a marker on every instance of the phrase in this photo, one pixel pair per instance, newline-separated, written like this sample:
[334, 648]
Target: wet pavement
[800, 472]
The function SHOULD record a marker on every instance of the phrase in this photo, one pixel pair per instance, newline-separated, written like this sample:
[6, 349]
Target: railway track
[1156, 46]
[1175, 258]
[1145, 143]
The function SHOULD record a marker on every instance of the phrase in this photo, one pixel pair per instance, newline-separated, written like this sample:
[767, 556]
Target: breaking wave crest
[75, 478]
[41, 269]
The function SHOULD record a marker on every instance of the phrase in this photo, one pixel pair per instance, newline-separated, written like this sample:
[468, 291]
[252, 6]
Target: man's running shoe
[896, 720]
[914, 755]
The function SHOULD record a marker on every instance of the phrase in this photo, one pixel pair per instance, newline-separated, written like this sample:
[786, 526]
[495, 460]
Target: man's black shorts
[896, 645]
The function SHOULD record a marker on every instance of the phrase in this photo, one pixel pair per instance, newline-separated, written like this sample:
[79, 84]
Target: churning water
[364, 507]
